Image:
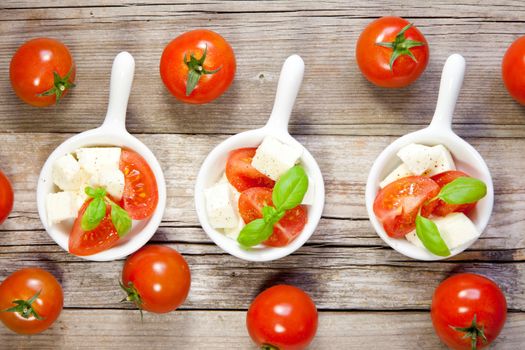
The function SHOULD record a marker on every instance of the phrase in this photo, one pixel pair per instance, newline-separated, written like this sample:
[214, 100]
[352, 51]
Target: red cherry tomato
[286, 230]
[103, 237]
[283, 317]
[513, 70]
[198, 66]
[240, 172]
[397, 204]
[442, 208]
[141, 194]
[6, 197]
[42, 71]
[468, 305]
[383, 52]
[39, 297]
[156, 279]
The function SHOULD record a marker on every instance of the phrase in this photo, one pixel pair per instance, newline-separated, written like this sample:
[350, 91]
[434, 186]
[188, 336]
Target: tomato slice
[240, 172]
[141, 195]
[251, 202]
[442, 208]
[103, 237]
[397, 204]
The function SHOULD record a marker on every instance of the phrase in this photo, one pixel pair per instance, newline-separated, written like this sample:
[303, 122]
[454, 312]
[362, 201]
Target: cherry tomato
[286, 230]
[391, 52]
[240, 172]
[282, 317]
[156, 279]
[6, 197]
[103, 237]
[468, 311]
[442, 208]
[31, 300]
[397, 204]
[141, 195]
[513, 70]
[42, 71]
[198, 66]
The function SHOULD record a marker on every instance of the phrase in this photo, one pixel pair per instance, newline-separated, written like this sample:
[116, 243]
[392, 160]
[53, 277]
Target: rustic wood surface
[369, 295]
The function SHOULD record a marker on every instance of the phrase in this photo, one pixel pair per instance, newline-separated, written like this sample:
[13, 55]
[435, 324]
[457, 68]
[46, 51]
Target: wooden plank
[117, 329]
[350, 105]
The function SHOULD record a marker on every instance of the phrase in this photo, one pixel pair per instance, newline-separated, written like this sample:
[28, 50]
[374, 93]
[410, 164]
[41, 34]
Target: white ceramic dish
[112, 133]
[277, 126]
[439, 131]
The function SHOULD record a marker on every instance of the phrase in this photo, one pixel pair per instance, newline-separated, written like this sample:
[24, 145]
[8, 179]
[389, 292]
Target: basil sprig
[462, 190]
[287, 194]
[96, 211]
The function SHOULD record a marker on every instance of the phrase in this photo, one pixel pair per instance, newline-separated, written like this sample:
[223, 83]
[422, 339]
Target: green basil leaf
[95, 192]
[463, 190]
[90, 191]
[290, 189]
[428, 234]
[100, 192]
[120, 219]
[94, 214]
[271, 215]
[255, 232]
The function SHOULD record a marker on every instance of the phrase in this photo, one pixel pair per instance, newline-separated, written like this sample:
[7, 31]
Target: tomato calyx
[401, 46]
[473, 332]
[24, 307]
[269, 347]
[196, 69]
[60, 85]
[132, 296]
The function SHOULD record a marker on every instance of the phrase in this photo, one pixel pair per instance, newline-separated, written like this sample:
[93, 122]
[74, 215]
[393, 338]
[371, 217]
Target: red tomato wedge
[442, 208]
[103, 237]
[286, 230]
[240, 172]
[141, 195]
[397, 205]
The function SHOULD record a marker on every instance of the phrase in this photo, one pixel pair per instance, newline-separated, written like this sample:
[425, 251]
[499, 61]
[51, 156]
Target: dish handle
[120, 87]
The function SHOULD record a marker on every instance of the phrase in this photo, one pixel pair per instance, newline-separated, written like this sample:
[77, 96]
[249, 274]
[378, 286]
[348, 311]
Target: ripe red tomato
[103, 237]
[282, 317]
[141, 194]
[391, 52]
[513, 70]
[42, 71]
[397, 204]
[286, 230]
[240, 172]
[6, 197]
[468, 311]
[198, 66]
[156, 279]
[442, 208]
[31, 300]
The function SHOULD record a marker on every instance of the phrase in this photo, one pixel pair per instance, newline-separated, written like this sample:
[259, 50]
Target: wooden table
[368, 295]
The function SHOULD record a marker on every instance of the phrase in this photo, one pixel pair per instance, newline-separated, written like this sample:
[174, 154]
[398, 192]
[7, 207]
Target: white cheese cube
[442, 161]
[456, 229]
[67, 174]
[94, 159]
[233, 233]
[398, 173]
[425, 160]
[110, 179]
[220, 206]
[60, 206]
[273, 158]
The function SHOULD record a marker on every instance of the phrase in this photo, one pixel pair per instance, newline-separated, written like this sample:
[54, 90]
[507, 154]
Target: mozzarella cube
[456, 229]
[220, 206]
[273, 158]
[442, 161]
[110, 179]
[95, 159]
[425, 160]
[67, 174]
[60, 206]
[398, 173]
[233, 233]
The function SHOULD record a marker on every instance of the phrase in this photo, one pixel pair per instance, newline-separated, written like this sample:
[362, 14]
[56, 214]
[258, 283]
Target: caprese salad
[263, 195]
[427, 201]
[100, 191]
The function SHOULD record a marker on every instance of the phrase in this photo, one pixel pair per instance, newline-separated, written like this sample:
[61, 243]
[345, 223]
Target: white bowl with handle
[111, 133]
[466, 158]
